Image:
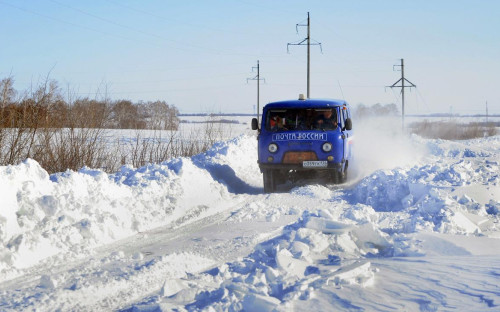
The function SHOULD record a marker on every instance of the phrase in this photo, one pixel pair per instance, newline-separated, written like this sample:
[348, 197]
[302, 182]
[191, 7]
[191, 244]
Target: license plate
[315, 164]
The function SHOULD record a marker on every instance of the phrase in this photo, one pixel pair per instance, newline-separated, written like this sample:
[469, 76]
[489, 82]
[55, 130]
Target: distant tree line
[215, 114]
[453, 130]
[47, 107]
[225, 121]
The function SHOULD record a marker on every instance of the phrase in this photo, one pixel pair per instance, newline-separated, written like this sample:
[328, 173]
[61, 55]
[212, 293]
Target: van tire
[343, 175]
[340, 177]
[269, 177]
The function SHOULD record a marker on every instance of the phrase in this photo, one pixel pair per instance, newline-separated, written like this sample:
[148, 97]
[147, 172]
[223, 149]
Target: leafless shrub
[193, 144]
[199, 142]
[21, 121]
[452, 130]
[158, 146]
[69, 148]
[147, 148]
[77, 139]
[42, 126]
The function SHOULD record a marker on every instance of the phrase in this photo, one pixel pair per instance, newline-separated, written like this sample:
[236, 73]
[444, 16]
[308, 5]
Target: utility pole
[258, 86]
[486, 112]
[308, 42]
[402, 86]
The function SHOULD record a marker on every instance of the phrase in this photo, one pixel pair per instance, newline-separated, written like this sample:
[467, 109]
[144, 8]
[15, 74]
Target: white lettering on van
[300, 136]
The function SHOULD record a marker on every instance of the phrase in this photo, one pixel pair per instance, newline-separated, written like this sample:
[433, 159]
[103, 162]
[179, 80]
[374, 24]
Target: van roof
[307, 103]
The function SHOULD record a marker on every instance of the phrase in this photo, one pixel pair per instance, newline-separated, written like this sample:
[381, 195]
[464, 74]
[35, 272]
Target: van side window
[344, 116]
[342, 119]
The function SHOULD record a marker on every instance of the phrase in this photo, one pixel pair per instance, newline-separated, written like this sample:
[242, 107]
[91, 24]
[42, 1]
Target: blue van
[304, 139]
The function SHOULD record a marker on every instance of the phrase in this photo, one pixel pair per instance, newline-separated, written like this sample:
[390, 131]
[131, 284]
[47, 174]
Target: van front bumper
[330, 166]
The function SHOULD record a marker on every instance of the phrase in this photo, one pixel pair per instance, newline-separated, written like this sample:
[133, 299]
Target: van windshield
[301, 119]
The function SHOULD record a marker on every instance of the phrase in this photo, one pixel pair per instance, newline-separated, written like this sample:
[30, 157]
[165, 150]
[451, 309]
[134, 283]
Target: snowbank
[410, 197]
[436, 205]
[74, 212]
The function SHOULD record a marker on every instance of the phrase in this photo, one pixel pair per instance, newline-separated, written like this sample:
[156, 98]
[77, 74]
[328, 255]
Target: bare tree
[7, 92]
[159, 115]
[87, 113]
[126, 116]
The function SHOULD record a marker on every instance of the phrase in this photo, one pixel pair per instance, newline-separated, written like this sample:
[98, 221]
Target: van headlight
[273, 148]
[327, 147]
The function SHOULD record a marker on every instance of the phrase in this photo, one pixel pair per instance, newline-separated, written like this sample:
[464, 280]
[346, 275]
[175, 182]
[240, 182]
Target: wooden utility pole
[258, 87]
[486, 113]
[402, 86]
[308, 55]
[307, 41]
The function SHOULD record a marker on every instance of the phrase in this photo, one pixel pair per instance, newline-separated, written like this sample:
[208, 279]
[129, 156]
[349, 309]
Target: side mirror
[255, 124]
[348, 124]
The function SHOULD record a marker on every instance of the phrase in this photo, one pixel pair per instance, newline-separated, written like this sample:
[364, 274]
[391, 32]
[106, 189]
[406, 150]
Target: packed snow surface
[415, 228]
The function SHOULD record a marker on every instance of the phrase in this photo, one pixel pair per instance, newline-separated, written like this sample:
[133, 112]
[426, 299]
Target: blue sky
[197, 55]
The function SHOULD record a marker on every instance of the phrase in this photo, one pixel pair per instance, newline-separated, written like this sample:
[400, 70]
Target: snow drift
[226, 246]
[73, 212]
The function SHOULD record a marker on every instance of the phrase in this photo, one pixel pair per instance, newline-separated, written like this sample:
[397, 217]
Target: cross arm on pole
[411, 84]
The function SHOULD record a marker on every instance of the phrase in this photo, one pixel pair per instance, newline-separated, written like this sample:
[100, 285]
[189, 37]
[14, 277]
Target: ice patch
[259, 303]
[327, 226]
[286, 262]
[172, 287]
[357, 273]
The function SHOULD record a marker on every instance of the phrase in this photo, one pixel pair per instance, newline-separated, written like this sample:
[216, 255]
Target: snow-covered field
[416, 228]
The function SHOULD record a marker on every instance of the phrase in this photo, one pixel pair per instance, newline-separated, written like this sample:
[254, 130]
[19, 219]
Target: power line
[423, 99]
[174, 20]
[211, 50]
[380, 57]
[174, 44]
[341, 91]
[68, 23]
[124, 26]
[173, 90]
[279, 11]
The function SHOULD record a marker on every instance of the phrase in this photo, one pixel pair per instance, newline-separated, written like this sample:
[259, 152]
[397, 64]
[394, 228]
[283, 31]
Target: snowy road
[418, 231]
[127, 270]
[115, 267]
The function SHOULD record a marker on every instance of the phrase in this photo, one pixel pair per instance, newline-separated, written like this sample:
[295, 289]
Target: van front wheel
[269, 176]
[343, 175]
[340, 177]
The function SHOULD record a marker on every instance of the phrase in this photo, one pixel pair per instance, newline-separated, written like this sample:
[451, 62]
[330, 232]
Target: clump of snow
[46, 281]
[384, 191]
